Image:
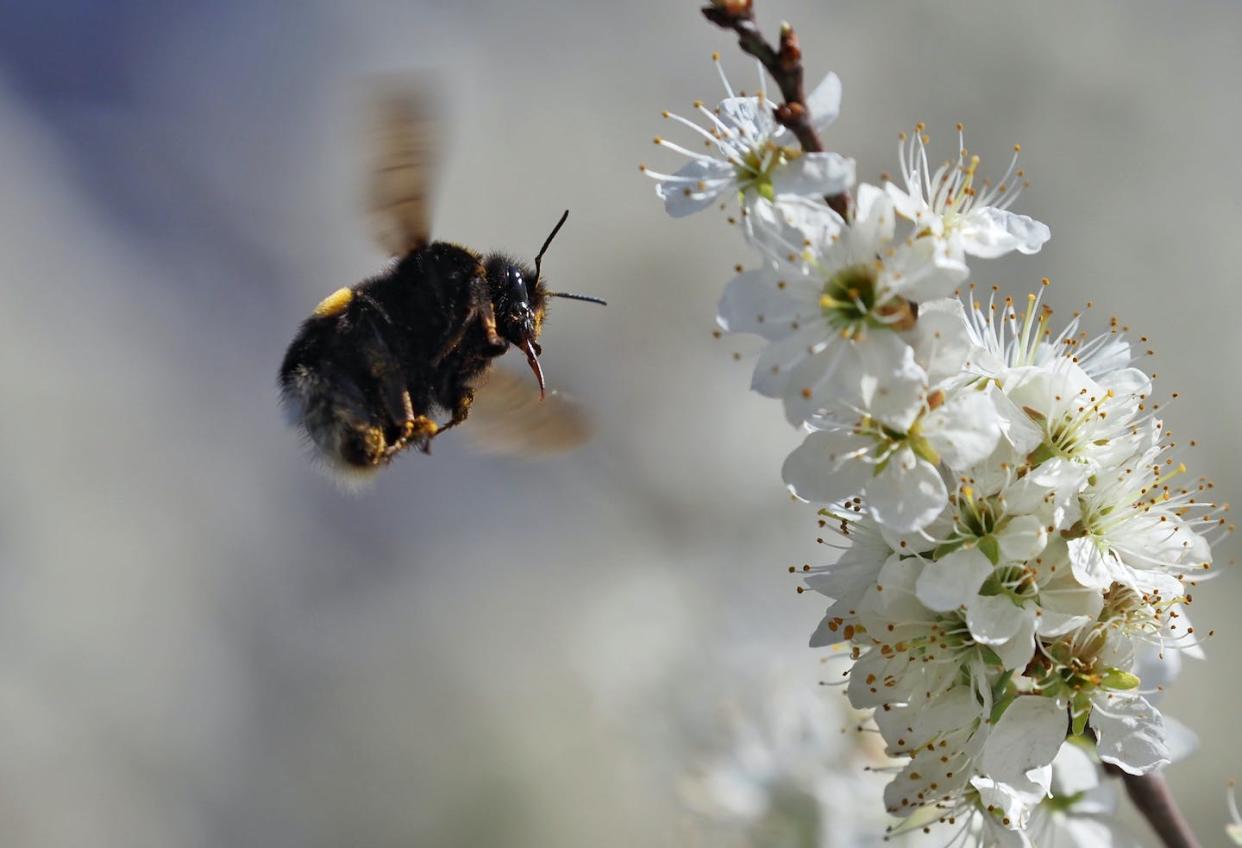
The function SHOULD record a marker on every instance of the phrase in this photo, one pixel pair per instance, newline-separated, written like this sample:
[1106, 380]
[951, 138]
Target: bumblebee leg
[407, 406]
[488, 315]
[415, 429]
[422, 430]
[418, 433]
[461, 407]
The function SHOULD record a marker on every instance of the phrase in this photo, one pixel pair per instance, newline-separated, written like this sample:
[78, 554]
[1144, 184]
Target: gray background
[203, 643]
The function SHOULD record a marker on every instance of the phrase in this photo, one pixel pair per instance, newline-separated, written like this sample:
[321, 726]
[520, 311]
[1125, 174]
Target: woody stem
[1151, 797]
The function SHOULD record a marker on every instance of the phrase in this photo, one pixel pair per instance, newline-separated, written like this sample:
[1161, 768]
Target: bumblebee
[375, 362]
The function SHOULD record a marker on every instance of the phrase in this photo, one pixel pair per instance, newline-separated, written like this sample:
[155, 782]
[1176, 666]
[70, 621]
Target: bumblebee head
[517, 301]
[519, 297]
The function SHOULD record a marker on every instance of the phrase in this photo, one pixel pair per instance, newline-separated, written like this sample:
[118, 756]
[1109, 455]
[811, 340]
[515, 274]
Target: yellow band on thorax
[334, 304]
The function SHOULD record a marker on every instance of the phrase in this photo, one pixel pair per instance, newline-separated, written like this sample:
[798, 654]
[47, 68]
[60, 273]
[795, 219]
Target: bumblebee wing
[403, 144]
[508, 418]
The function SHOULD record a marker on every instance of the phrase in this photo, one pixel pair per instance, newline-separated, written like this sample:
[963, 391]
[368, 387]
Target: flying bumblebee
[376, 361]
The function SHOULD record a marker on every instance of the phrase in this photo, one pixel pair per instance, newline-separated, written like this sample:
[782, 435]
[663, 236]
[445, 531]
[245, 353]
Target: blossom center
[1068, 434]
[756, 166]
[849, 296]
[1016, 582]
[979, 522]
[888, 440]
[1074, 668]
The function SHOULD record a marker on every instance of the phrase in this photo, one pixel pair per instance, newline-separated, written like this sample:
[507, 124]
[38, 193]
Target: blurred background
[203, 642]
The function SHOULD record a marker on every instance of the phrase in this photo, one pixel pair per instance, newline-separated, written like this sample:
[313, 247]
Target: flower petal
[964, 430]
[1017, 650]
[784, 228]
[778, 360]
[908, 494]
[1027, 736]
[1064, 604]
[1073, 771]
[750, 120]
[769, 302]
[696, 186]
[1129, 733]
[814, 174]
[991, 232]
[824, 102]
[1018, 429]
[824, 382]
[1092, 567]
[993, 619]
[826, 467]
[909, 204]
[874, 218]
[1007, 813]
[1126, 381]
[1053, 624]
[1023, 538]
[940, 338]
[891, 385]
[951, 581]
[925, 269]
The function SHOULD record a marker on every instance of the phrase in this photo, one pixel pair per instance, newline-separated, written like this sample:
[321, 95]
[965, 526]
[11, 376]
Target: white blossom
[752, 157]
[960, 214]
[893, 458]
[833, 331]
[786, 773]
[1133, 529]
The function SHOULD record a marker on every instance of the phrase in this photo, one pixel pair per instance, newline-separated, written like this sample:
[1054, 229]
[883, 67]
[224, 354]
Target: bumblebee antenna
[574, 296]
[548, 241]
[539, 259]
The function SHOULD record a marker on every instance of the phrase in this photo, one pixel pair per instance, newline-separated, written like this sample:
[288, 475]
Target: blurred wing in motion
[402, 143]
[508, 418]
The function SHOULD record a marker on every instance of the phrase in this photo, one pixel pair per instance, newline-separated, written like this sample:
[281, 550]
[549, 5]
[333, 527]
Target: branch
[1151, 796]
[785, 66]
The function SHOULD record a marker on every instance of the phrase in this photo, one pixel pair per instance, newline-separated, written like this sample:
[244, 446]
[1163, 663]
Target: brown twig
[1152, 798]
[784, 63]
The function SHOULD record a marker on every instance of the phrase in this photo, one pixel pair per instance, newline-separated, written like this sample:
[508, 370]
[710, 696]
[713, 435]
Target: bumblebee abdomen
[343, 380]
[323, 396]
[332, 411]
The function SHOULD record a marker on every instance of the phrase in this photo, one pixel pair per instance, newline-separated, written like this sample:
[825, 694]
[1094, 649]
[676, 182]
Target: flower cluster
[786, 772]
[1018, 546]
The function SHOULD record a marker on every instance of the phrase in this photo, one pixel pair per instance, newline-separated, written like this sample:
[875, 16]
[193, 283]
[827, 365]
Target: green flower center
[978, 523]
[1073, 668]
[755, 170]
[888, 441]
[848, 298]
[1014, 581]
[1068, 434]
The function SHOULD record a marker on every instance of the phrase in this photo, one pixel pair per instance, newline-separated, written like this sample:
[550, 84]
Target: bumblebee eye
[517, 286]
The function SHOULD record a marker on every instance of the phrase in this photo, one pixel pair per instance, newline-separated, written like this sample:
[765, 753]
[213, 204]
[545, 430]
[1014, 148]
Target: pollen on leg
[421, 427]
